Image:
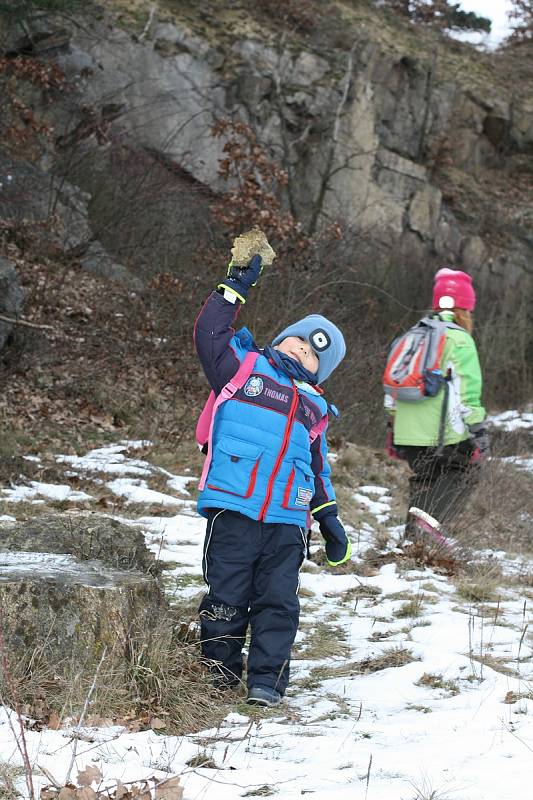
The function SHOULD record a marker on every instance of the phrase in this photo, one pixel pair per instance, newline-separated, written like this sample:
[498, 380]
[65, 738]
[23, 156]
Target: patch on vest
[253, 387]
[304, 496]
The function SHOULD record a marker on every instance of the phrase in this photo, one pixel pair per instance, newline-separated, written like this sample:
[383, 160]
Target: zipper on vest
[281, 454]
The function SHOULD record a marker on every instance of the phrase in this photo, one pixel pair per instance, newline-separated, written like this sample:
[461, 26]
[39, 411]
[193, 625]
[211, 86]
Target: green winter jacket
[418, 423]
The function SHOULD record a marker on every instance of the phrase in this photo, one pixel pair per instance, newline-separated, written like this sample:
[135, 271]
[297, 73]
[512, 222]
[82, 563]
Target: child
[442, 471]
[267, 472]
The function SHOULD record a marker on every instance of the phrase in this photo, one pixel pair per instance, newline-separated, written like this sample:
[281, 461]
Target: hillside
[399, 149]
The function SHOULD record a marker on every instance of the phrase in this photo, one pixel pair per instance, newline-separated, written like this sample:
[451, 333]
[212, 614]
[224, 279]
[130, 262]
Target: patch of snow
[53, 491]
[179, 482]
[137, 491]
[521, 463]
[512, 420]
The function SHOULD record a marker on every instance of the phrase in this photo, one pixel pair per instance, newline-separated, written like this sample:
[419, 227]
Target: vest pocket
[234, 467]
[300, 486]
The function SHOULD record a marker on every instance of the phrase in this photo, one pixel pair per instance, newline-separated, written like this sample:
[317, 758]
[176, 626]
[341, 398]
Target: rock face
[357, 130]
[70, 588]
[360, 129]
[32, 195]
[11, 298]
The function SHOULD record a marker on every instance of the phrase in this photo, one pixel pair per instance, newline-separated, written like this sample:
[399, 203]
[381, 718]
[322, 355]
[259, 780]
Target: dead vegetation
[324, 640]
[166, 789]
[9, 776]
[434, 681]
[160, 683]
[391, 657]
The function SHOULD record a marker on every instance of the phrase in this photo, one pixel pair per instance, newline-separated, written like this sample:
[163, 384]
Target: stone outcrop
[71, 586]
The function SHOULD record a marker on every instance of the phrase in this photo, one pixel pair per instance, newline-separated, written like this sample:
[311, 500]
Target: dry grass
[363, 590]
[499, 511]
[323, 641]
[477, 592]
[424, 791]
[9, 775]
[159, 676]
[390, 657]
[481, 585]
[497, 664]
[411, 608]
[433, 681]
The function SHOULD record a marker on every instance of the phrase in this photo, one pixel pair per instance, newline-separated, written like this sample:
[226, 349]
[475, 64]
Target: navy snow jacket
[263, 463]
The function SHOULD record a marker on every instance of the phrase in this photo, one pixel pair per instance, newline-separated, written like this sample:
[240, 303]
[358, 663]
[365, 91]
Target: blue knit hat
[324, 337]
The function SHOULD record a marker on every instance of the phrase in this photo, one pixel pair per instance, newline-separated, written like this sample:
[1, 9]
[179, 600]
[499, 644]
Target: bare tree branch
[25, 322]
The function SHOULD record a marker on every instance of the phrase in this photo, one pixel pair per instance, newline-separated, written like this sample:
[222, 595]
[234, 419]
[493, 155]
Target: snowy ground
[419, 694]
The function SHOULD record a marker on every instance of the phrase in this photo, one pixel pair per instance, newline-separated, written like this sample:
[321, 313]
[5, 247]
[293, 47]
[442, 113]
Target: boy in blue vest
[268, 471]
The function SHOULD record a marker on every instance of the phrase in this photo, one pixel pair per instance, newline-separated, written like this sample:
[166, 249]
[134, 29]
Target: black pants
[440, 483]
[252, 572]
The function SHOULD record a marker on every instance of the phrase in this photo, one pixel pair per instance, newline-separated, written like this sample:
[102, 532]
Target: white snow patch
[52, 491]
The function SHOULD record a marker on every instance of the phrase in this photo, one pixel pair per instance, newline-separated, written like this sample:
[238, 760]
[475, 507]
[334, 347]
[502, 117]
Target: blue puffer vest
[261, 464]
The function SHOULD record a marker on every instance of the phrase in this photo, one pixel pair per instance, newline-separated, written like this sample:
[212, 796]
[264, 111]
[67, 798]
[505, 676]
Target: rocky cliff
[366, 117]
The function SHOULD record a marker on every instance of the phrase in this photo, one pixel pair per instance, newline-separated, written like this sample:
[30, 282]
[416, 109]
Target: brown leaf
[85, 793]
[169, 789]
[157, 724]
[141, 792]
[510, 697]
[67, 793]
[48, 794]
[89, 775]
[54, 723]
[120, 791]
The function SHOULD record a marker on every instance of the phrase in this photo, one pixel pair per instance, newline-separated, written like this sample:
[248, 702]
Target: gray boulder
[70, 587]
[71, 609]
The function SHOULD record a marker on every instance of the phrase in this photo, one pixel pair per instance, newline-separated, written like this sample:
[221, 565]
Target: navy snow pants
[252, 570]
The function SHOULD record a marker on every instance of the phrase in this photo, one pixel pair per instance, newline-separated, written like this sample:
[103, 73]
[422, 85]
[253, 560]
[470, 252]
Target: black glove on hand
[481, 441]
[239, 279]
[338, 546]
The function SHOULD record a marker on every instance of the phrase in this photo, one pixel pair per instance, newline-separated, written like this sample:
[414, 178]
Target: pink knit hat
[453, 289]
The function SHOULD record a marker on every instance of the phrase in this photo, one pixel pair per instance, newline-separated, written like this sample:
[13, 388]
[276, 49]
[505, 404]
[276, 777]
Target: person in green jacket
[444, 458]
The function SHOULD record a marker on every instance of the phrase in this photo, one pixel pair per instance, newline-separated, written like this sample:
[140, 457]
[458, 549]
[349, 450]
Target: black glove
[338, 546]
[481, 441]
[239, 279]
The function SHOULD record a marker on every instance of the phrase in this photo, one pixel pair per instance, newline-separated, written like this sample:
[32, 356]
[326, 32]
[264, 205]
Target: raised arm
[213, 331]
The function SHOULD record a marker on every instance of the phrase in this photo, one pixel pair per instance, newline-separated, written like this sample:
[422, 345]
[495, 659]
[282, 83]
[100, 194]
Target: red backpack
[412, 371]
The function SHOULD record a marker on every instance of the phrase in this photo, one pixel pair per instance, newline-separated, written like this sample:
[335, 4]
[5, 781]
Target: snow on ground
[357, 723]
[512, 420]
[52, 491]
[379, 508]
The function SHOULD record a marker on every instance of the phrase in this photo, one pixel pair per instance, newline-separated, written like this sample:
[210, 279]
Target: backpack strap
[319, 428]
[227, 391]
